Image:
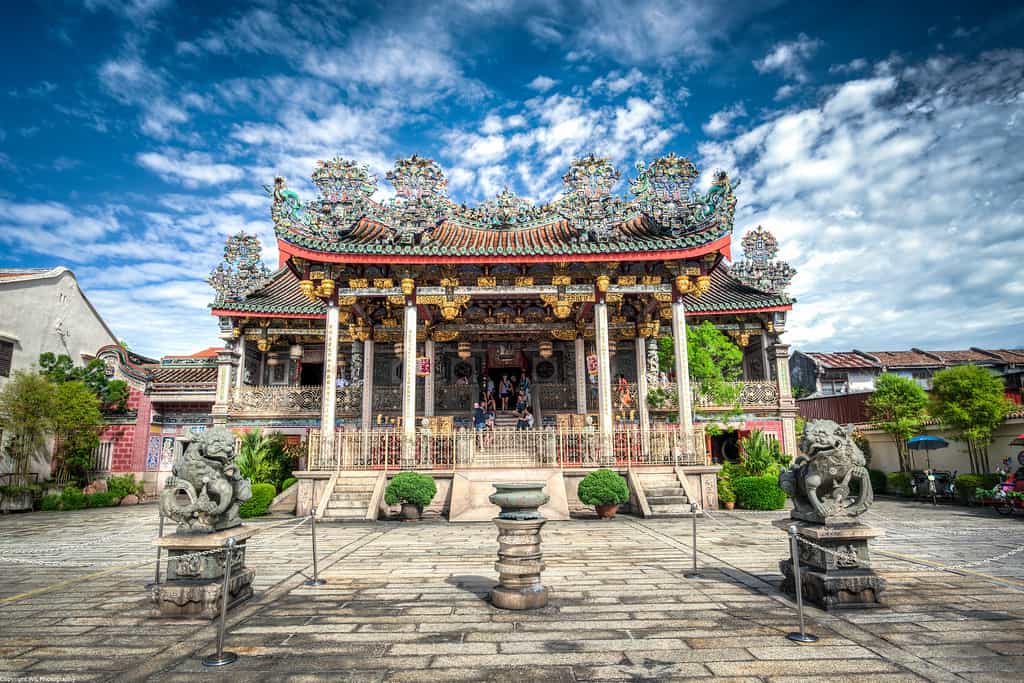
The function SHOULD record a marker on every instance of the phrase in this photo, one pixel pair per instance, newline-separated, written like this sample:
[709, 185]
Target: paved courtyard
[404, 602]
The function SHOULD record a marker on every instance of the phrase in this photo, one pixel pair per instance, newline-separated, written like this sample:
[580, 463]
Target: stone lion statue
[819, 480]
[205, 488]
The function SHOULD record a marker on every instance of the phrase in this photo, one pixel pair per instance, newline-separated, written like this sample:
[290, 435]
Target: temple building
[387, 320]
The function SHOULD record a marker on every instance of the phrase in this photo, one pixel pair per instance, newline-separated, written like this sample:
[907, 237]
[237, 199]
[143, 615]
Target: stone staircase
[665, 495]
[351, 497]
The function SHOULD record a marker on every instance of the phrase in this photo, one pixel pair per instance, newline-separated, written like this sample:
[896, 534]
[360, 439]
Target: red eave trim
[722, 244]
[241, 314]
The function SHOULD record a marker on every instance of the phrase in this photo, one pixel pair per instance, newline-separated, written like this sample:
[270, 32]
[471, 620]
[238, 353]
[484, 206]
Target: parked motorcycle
[933, 484]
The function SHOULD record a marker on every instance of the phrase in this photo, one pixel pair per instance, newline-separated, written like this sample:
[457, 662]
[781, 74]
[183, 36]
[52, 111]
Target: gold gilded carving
[664, 297]
[683, 284]
[562, 309]
[346, 300]
[563, 334]
[692, 270]
[359, 283]
[650, 280]
[584, 298]
[396, 299]
[561, 280]
[524, 281]
[486, 282]
[450, 310]
[325, 289]
[429, 299]
[627, 333]
[614, 298]
[627, 280]
[618, 319]
[306, 287]
[442, 336]
[665, 311]
[601, 283]
[703, 284]
[449, 282]
[344, 316]
[383, 283]
[317, 275]
[389, 322]
[408, 286]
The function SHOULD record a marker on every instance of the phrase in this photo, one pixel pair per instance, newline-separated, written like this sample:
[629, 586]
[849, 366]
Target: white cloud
[542, 84]
[191, 169]
[876, 196]
[785, 92]
[615, 82]
[853, 66]
[721, 121]
[789, 58]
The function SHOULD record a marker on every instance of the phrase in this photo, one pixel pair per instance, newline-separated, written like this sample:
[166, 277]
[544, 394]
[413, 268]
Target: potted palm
[413, 490]
[605, 490]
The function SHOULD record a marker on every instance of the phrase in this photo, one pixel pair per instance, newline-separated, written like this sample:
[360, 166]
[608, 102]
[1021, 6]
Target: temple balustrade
[557, 447]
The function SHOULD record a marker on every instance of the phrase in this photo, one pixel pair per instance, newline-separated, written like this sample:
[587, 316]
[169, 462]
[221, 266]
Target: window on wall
[6, 353]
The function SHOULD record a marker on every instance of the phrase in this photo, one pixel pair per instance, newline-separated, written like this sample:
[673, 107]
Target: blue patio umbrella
[926, 442]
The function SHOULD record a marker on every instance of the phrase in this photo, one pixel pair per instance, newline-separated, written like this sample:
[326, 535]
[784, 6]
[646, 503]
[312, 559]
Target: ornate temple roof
[281, 296]
[665, 214]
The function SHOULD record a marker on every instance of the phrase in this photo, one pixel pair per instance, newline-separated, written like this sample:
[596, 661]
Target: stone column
[240, 375]
[779, 354]
[329, 391]
[682, 372]
[227, 361]
[428, 381]
[641, 392]
[409, 386]
[764, 356]
[604, 380]
[367, 414]
[581, 376]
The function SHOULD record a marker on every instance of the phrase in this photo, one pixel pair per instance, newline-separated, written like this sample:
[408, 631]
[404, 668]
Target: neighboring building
[169, 400]
[814, 375]
[44, 310]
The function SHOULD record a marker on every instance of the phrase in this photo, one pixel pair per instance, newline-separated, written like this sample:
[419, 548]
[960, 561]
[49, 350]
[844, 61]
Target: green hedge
[410, 487]
[72, 498]
[259, 504]
[967, 483]
[287, 483]
[101, 500]
[124, 485]
[50, 502]
[759, 493]
[898, 483]
[603, 487]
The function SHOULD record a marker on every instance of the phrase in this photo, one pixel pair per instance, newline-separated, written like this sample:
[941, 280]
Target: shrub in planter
[257, 506]
[605, 490]
[124, 485]
[72, 498]
[759, 493]
[290, 481]
[726, 494]
[898, 483]
[413, 490]
[101, 500]
[50, 502]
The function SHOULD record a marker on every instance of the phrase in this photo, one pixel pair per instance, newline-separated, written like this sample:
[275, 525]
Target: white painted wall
[33, 310]
[954, 457]
[861, 381]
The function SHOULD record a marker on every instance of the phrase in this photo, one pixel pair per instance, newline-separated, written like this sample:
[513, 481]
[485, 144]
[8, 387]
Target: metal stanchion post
[794, 551]
[693, 517]
[220, 658]
[160, 534]
[316, 580]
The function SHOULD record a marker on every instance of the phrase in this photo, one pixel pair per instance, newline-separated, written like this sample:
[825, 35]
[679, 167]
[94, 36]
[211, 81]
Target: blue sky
[881, 142]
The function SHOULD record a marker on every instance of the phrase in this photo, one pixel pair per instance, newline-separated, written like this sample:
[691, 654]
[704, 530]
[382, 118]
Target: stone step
[349, 501]
[671, 510]
[348, 505]
[667, 500]
[664, 491]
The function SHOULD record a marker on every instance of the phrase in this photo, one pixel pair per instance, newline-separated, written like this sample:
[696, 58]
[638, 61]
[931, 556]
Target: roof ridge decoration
[591, 212]
[759, 271]
[242, 270]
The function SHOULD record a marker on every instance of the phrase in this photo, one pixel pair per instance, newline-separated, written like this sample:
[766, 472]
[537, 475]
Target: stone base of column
[194, 584]
[519, 565]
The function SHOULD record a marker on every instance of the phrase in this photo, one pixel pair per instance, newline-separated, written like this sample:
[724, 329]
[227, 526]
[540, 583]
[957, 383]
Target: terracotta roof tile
[904, 359]
[842, 360]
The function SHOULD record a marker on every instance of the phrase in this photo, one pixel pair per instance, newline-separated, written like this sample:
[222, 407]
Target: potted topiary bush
[605, 490]
[726, 496]
[413, 490]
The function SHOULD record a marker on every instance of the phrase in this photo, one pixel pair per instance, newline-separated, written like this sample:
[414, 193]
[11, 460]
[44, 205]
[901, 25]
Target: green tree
[260, 457]
[61, 369]
[972, 401]
[715, 362]
[898, 407]
[76, 423]
[27, 406]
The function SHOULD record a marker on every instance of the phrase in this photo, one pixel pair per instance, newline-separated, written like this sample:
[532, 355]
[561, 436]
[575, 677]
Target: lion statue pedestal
[835, 570]
[203, 496]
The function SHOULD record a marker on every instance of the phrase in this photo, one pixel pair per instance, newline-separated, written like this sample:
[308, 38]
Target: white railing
[101, 457]
[625, 447]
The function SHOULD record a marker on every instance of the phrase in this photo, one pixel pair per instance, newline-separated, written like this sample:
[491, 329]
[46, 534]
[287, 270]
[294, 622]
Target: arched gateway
[389, 319]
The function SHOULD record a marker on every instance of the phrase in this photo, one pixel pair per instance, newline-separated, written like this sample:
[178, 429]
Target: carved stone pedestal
[835, 581]
[519, 565]
[193, 585]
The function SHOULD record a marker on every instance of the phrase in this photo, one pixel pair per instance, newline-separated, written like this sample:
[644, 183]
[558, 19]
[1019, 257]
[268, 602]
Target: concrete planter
[21, 502]
[411, 512]
[606, 511]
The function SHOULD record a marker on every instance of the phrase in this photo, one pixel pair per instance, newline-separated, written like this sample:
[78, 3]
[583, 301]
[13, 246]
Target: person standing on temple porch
[505, 391]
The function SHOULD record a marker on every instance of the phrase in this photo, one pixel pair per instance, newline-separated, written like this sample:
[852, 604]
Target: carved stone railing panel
[752, 394]
[285, 400]
[555, 396]
[458, 397]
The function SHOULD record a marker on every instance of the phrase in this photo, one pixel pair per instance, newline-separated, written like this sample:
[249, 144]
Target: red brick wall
[123, 438]
[128, 454]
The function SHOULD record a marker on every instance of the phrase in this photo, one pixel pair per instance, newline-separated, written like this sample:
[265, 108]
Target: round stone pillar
[520, 561]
